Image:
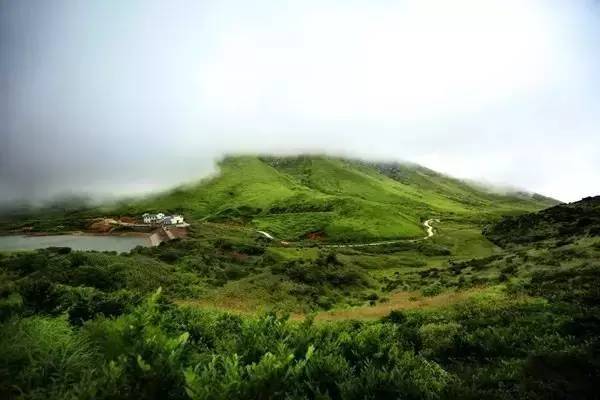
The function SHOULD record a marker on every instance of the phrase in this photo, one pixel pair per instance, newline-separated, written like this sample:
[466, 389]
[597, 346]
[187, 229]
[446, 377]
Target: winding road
[266, 234]
[427, 224]
[430, 230]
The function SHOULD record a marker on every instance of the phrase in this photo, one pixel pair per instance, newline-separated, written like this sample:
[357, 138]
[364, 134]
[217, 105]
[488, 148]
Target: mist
[113, 98]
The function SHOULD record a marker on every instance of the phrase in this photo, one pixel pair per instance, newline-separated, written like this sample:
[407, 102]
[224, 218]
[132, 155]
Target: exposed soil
[315, 236]
[103, 225]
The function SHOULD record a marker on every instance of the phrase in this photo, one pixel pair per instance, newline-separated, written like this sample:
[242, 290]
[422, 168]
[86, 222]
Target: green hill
[341, 199]
[562, 222]
[240, 317]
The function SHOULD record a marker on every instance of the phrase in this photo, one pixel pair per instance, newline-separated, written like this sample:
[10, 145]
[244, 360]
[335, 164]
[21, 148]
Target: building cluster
[162, 219]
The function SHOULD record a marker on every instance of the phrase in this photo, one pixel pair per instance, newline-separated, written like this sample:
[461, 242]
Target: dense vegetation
[562, 221]
[92, 325]
[228, 314]
[536, 339]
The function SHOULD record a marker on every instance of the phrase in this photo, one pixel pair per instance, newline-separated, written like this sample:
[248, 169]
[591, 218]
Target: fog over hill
[117, 98]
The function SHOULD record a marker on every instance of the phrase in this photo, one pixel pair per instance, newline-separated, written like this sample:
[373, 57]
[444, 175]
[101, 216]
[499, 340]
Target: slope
[333, 198]
[561, 222]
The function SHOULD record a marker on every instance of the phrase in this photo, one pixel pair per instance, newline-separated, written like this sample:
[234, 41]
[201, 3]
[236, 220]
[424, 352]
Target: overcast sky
[121, 97]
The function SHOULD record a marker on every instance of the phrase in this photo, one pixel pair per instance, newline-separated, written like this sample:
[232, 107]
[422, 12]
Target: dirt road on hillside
[266, 234]
[427, 224]
[430, 230]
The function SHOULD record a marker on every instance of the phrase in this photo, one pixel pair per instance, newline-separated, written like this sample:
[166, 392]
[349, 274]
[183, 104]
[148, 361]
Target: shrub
[94, 276]
[42, 357]
[438, 339]
[432, 290]
[10, 305]
[85, 303]
[150, 357]
[40, 295]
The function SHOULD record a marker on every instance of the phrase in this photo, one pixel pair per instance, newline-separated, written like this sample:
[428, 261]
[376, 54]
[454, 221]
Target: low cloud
[118, 98]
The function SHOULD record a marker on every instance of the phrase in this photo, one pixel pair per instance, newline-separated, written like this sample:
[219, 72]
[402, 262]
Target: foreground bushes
[490, 347]
[42, 356]
[68, 331]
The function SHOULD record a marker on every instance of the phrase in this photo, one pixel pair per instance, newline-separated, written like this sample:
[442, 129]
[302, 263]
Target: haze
[114, 97]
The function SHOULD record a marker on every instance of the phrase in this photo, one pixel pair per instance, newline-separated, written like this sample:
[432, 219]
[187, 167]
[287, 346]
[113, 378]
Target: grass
[464, 240]
[403, 300]
[248, 297]
[231, 301]
[404, 267]
[294, 225]
[345, 200]
[291, 197]
[517, 320]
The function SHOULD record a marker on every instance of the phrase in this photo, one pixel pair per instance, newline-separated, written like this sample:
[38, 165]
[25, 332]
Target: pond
[76, 242]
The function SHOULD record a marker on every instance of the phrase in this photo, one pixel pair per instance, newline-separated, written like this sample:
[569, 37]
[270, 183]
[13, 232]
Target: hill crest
[342, 199]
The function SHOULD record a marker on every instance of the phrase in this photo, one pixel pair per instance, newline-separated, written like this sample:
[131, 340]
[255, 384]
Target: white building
[153, 218]
[161, 218]
[173, 220]
[177, 219]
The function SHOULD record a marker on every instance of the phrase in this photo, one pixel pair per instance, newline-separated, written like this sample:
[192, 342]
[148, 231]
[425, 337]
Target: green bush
[327, 270]
[437, 339]
[42, 357]
[432, 290]
[150, 357]
[478, 349]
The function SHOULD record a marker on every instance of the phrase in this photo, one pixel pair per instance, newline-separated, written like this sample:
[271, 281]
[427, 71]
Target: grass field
[291, 197]
[344, 200]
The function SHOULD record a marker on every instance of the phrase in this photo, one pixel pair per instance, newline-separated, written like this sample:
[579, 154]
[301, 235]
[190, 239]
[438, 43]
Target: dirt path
[266, 234]
[430, 230]
[427, 224]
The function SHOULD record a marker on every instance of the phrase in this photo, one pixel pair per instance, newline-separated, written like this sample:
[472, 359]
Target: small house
[177, 219]
[163, 219]
[153, 218]
[173, 220]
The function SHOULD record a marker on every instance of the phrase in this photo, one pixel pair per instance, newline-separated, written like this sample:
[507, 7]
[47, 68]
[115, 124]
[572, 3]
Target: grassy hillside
[342, 200]
[337, 199]
[562, 221]
[451, 317]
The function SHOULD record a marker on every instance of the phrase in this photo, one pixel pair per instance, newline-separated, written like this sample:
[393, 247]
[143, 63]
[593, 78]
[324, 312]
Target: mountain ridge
[296, 197]
[342, 198]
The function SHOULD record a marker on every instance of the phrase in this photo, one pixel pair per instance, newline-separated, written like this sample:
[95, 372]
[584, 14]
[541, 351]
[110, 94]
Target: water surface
[76, 242]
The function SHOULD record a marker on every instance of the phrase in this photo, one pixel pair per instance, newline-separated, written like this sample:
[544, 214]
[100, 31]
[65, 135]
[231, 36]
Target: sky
[116, 98]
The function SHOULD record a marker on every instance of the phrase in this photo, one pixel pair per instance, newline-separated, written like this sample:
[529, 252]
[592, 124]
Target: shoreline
[152, 238]
[77, 233]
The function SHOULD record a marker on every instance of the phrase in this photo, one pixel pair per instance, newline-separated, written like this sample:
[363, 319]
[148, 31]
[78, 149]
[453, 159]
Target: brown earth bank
[82, 233]
[103, 225]
[108, 226]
